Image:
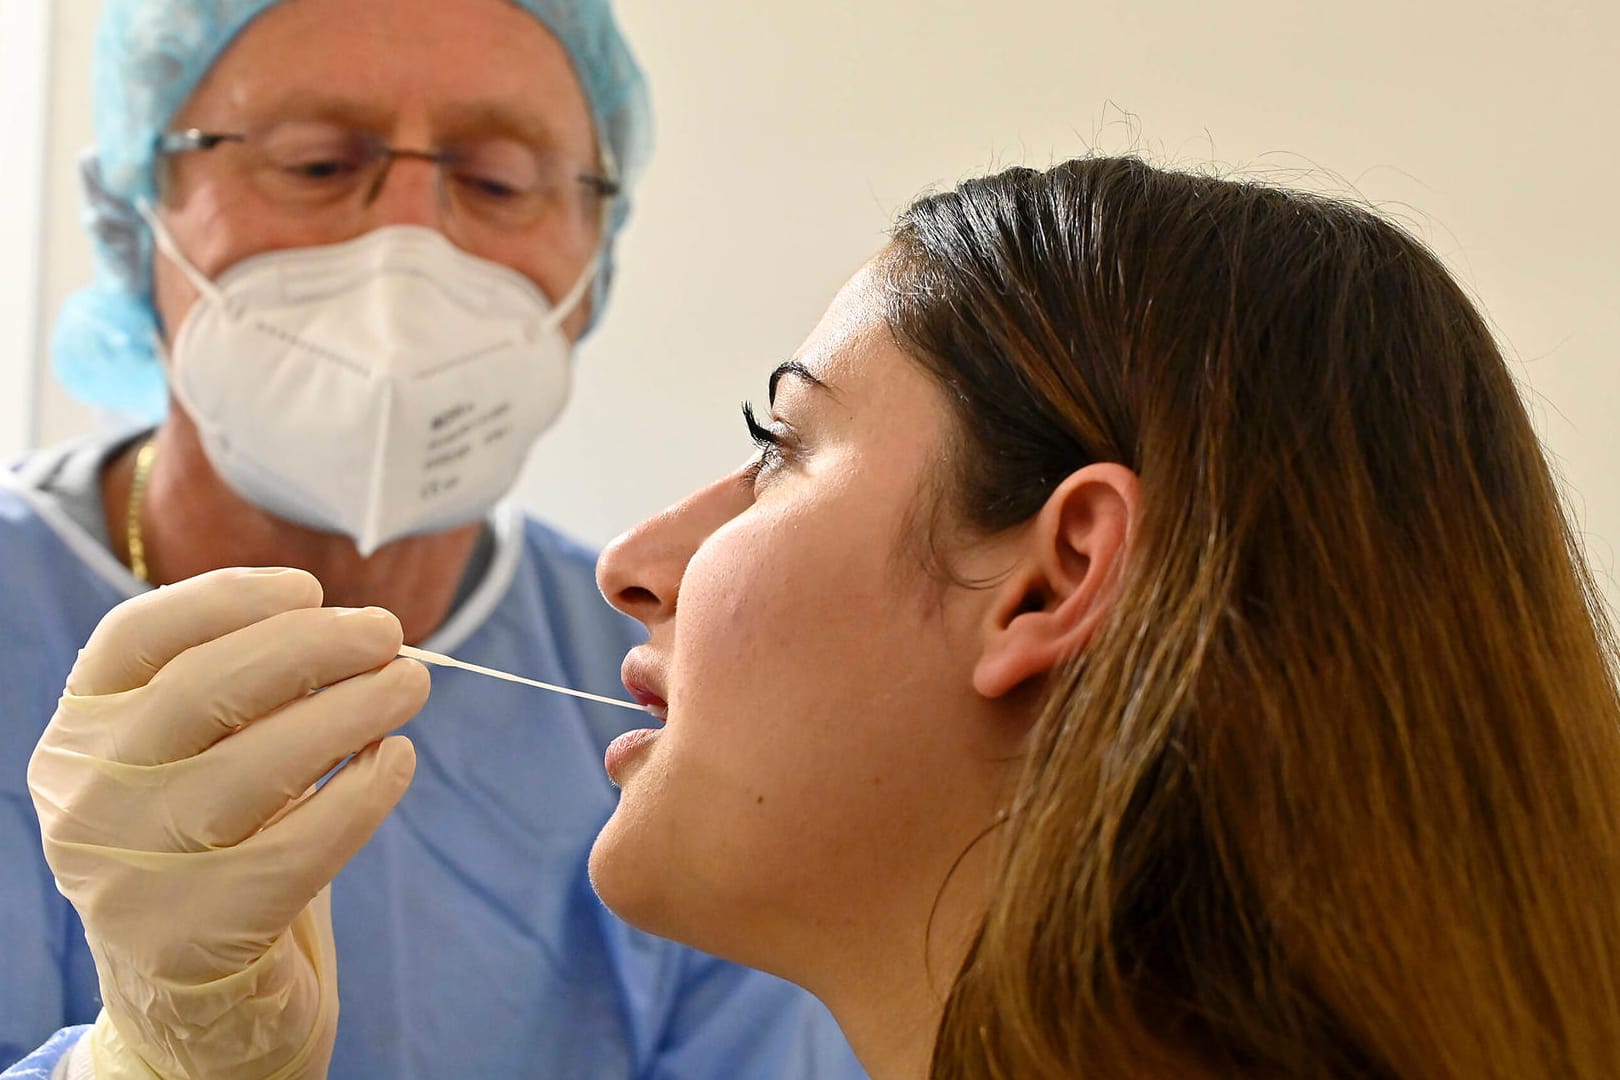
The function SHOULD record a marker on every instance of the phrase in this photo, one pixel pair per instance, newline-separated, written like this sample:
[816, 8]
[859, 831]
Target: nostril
[635, 597]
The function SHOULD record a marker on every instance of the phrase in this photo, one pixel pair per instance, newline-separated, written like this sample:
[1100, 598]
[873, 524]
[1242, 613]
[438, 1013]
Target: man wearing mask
[348, 246]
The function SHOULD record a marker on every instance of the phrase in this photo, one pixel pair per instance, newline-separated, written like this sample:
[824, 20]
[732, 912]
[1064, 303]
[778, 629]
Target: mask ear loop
[170, 250]
[205, 288]
[571, 299]
[573, 296]
[165, 243]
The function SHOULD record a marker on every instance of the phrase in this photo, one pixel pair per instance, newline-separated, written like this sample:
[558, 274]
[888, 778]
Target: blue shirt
[469, 940]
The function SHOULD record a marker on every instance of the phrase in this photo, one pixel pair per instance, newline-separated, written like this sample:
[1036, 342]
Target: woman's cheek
[714, 594]
[734, 583]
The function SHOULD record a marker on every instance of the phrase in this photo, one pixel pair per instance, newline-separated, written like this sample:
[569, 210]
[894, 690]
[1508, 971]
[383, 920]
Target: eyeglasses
[314, 167]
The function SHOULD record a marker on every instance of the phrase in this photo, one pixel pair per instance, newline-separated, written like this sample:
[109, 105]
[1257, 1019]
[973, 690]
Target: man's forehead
[462, 63]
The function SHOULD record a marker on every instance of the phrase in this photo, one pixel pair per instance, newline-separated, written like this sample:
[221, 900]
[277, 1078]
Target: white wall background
[790, 133]
[25, 69]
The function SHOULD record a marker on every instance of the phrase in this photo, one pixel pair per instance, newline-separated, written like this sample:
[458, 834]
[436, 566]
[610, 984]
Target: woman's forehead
[852, 334]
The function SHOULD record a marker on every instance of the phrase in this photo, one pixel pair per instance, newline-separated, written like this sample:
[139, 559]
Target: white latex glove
[173, 787]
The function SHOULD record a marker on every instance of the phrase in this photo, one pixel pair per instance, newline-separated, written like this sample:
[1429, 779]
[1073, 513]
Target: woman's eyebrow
[793, 367]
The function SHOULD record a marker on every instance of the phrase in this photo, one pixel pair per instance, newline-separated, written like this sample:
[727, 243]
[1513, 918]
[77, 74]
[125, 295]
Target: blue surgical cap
[149, 57]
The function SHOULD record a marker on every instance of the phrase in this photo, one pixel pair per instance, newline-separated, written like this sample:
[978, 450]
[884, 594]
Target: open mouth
[639, 692]
[640, 676]
[656, 706]
[643, 680]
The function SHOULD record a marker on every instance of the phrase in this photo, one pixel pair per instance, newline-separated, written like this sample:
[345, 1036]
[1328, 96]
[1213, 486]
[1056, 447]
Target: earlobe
[1028, 647]
[1067, 578]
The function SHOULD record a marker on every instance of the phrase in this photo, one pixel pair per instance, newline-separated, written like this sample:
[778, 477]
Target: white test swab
[440, 660]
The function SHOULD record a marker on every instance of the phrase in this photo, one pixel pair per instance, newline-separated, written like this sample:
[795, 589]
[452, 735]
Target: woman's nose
[640, 572]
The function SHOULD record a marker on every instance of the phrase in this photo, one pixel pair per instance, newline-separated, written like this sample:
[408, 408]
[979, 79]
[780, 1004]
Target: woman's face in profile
[825, 760]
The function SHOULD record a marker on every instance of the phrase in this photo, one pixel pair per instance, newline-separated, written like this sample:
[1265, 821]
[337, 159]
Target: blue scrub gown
[469, 940]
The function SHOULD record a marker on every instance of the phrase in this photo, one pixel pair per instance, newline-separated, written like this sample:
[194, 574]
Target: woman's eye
[770, 443]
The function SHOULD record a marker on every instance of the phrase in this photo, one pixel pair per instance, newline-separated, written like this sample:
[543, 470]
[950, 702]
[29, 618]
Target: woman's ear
[1065, 582]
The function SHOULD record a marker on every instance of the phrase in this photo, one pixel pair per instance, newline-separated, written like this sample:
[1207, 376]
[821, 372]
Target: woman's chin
[631, 880]
[638, 887]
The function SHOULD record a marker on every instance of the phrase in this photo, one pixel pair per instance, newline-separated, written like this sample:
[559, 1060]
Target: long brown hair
[1336, 792]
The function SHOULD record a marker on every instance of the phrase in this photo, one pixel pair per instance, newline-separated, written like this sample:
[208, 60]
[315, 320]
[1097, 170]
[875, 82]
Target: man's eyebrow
[485, 117]
[793, 367]
[498, 118]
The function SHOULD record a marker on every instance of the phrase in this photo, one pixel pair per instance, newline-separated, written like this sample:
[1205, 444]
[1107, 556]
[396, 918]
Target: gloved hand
[173, 787]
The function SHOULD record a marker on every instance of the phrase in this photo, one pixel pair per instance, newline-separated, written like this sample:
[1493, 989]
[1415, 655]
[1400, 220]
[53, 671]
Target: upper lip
[642, 680]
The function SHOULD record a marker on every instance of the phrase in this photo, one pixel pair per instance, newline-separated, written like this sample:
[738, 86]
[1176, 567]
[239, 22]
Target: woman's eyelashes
[771, 441]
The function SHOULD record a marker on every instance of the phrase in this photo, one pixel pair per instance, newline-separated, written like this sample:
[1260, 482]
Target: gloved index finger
[217, 688]
[138, 637]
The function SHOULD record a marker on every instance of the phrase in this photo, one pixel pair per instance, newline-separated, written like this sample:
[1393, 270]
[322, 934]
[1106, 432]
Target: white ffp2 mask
[381, 387]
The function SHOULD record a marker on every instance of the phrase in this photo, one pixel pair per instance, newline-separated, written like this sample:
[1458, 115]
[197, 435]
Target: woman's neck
[891, 1025]
[888, 982]
[193, 522]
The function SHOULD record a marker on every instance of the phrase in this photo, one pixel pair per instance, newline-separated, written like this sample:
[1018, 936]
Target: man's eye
[499, 169]
[488, 187]
[330, 169]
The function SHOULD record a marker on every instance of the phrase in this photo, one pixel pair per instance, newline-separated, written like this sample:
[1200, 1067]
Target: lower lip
[621, 750]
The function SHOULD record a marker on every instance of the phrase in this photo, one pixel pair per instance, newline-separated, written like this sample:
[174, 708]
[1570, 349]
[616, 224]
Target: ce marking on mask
[458, 434]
